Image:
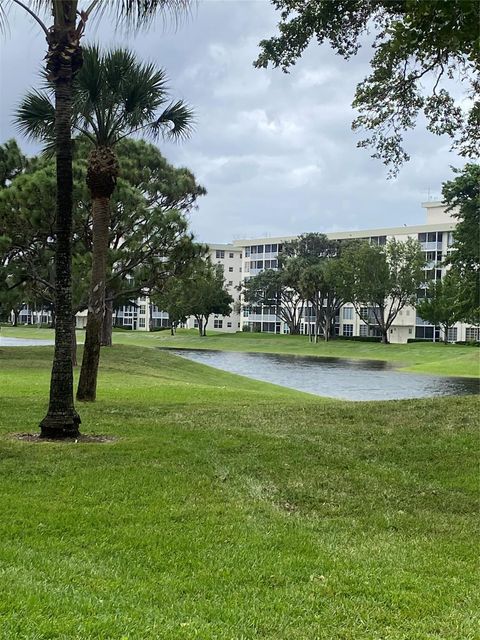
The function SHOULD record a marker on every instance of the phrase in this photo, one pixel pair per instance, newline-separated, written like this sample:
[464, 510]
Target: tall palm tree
[63, 60]
[114, 96]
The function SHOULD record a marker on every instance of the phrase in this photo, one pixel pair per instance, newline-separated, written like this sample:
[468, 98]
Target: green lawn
[230, 509]
[441, 359]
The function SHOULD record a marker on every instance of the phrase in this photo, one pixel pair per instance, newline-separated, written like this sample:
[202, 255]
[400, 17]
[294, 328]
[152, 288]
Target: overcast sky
[275, 151]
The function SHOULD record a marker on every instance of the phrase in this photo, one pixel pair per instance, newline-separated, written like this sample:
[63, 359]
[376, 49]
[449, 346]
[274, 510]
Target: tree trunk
[15, 317]
[107, 324]
[385, 336]
[63, 59]
[204, 331]
[200, 326]
[87, 385]
[74, 343]
[445, 335]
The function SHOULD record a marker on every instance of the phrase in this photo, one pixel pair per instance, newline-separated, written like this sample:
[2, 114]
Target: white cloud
[275, 151]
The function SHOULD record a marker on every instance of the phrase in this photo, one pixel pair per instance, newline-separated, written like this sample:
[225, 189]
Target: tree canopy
[422, 51]
[149, 237]
[383, 279]
[199, 291]
[440, 307]
[462, 195]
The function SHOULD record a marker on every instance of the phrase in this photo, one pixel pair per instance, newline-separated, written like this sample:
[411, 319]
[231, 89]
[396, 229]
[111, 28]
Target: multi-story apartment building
[144, 316]
[246, 258]
[435, 238]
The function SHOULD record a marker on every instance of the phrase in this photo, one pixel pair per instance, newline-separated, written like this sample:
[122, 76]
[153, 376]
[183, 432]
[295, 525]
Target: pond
[24, 342]
[334, 377]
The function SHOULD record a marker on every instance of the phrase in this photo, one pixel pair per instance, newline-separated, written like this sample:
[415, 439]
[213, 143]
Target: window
[230, 269]
[424, 332]
[452, 334]
[142, 309]
[195, 323]
[422, 237]
[219, 254]
[218, 324]
[347, 330]
[141, 323]
[247, 252]
[347, 313]
[229, 324]
[230, 283]
[268, 327]
[230, 255]
[363, 330]
[472, 333]
[271, 264]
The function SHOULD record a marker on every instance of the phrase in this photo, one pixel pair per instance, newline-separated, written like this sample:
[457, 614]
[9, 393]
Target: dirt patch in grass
[90, 438]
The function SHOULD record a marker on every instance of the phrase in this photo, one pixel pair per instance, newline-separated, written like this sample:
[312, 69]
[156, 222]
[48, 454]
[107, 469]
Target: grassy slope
[451, 359]
[234, 509]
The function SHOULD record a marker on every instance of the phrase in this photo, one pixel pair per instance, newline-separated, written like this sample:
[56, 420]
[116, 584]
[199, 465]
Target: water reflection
[24, 342]
[334, 377]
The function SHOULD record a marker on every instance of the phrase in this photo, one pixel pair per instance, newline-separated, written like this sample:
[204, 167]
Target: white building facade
[142, 315]
[435, 238]
[244, 259]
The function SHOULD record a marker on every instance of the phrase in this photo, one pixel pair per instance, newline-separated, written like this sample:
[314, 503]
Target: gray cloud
[274, 150]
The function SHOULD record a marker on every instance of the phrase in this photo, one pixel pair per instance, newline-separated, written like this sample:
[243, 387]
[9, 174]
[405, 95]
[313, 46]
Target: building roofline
[360, 233]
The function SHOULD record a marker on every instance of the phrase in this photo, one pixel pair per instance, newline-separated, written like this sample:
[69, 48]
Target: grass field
[229, 509]
[441, 359]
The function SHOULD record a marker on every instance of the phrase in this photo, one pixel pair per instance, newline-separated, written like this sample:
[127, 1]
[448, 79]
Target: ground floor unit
[141, 315]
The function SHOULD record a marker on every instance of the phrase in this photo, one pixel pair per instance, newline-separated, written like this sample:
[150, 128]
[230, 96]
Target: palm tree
[63, 60]
[114, 96]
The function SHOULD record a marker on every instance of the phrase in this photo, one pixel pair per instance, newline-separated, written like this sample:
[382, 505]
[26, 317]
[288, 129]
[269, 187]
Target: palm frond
[32, 7]
[137, 14]
[176, 122]
[35, 117]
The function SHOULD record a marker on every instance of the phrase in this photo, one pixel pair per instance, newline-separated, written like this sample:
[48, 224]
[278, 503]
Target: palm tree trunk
[62, 420]
[87, 385]
[74, 342]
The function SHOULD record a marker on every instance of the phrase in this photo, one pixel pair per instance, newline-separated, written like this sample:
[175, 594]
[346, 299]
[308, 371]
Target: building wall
[230, 257]
[435, 238]
[144, 316]
[246, 258]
